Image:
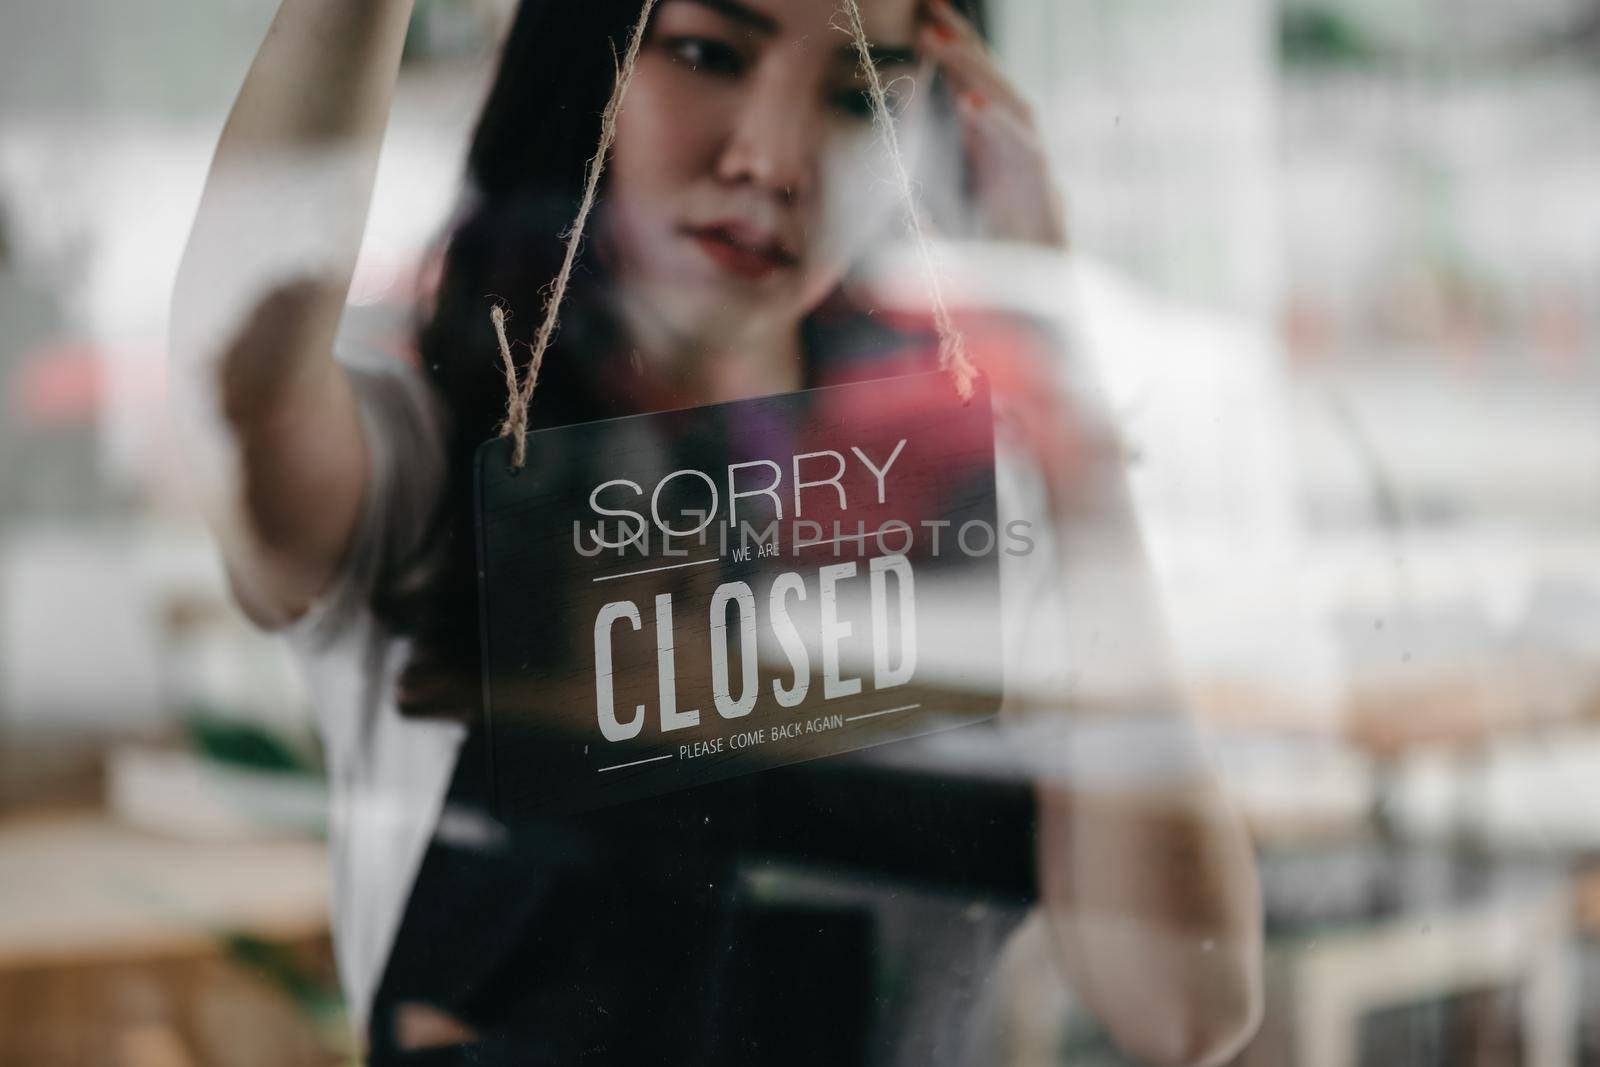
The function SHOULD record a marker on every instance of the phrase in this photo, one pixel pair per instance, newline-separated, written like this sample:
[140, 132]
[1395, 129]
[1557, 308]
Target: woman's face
[746, 173]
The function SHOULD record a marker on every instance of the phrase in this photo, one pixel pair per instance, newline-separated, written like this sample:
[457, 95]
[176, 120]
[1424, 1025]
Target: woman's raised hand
[260, 291]
[1017, 197]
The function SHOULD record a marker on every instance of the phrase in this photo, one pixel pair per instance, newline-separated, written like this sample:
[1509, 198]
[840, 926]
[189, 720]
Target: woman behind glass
[746, 180]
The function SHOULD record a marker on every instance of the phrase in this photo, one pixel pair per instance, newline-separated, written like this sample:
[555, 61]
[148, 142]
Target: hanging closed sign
[676, 598]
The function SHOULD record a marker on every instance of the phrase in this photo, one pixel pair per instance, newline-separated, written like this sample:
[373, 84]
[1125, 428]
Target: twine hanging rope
[953, 358]
[515, 425]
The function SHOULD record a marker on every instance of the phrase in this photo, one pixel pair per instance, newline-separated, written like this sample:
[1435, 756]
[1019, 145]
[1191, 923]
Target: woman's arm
[1147, 877]
[269, 419]
[1153, 904]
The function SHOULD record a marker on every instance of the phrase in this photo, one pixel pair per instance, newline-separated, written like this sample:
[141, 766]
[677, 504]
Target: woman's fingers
[1016, 195]
[1019, 198]
[957, 48]
[943, 12]
[1000, 126]
[971, 70]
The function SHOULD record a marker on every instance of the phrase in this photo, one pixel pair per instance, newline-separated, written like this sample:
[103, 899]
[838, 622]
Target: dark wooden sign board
[677, 598]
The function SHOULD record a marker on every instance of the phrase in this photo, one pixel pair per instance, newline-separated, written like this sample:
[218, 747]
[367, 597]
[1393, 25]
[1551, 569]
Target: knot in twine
[953, 357]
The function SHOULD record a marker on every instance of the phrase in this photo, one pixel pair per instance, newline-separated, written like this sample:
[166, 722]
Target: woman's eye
[854, 103]
[704, 54]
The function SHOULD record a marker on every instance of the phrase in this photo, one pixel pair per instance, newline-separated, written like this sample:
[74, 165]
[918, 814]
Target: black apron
[626, 936]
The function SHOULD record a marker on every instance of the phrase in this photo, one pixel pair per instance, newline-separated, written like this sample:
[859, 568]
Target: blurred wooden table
[1322, 987]
[120, 947]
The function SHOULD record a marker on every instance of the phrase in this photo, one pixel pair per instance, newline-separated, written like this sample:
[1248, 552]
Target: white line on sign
[635, 763]
[841, 538]
[656, 570]
[875, 714]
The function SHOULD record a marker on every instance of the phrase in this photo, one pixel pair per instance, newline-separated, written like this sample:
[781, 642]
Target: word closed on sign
[677, 598]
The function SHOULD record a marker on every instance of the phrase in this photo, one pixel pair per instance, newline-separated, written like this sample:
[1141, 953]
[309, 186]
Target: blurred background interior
[1338, 264]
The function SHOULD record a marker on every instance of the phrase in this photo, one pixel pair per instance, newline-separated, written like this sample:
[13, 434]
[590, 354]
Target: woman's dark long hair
[525, 172]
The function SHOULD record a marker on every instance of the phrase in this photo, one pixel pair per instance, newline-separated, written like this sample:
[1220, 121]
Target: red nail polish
[942, 32]
[976, 101]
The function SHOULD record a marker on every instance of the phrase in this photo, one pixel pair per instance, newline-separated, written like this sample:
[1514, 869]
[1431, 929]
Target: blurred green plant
[246, 745]
[1323, 37]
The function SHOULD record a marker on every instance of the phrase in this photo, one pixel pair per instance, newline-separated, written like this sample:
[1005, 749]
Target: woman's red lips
[742, 252]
